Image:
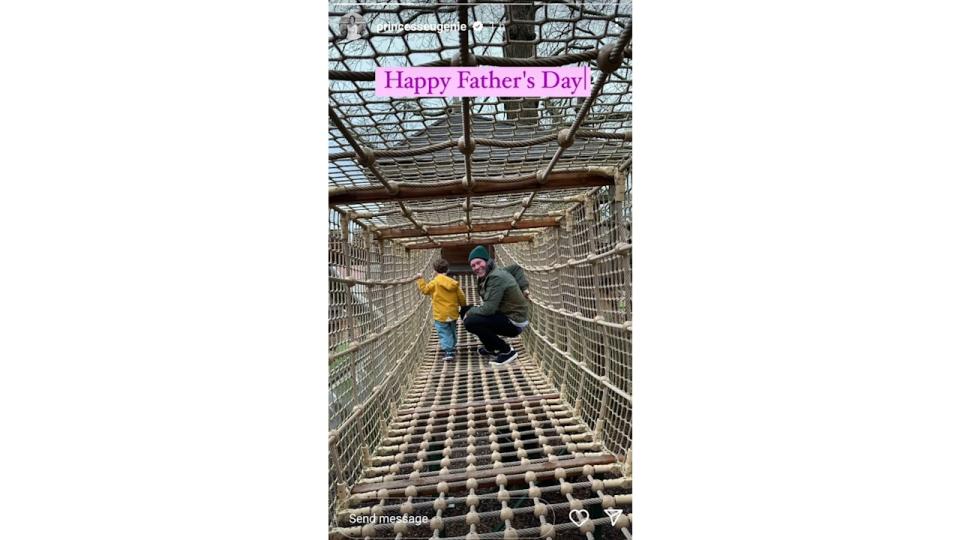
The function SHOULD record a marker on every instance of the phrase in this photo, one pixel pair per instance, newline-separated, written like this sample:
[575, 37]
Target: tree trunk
[523, 110]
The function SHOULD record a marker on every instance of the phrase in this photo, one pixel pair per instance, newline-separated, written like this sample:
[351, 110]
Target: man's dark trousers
[489, 328]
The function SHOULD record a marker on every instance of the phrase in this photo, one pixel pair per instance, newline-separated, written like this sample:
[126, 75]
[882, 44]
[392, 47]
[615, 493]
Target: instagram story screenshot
[480, 243]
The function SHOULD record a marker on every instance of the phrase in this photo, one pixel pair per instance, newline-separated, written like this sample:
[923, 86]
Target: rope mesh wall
[580, 329]
[378, 328]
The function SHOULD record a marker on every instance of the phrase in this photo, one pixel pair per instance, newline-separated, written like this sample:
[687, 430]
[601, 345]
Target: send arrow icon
[614, 514]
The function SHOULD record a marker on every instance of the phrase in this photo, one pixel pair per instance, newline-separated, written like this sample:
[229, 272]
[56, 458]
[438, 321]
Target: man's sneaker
[505, 358]
[447, 356]
[484, 352]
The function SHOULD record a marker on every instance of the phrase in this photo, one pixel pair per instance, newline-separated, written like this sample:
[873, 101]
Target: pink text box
[483, 81]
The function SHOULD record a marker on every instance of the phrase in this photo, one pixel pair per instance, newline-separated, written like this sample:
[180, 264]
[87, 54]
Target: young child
[447, 298]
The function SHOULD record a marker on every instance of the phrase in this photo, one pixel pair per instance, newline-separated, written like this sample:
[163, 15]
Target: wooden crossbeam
[485, 242]
[592, 177]
[477, 227]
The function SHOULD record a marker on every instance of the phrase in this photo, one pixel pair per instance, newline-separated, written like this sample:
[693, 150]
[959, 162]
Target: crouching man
[502, 313]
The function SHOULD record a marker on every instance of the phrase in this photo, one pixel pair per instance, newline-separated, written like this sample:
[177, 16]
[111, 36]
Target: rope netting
[378, 328]
[580, 325]
[478, 452]
[491, 159]
[473, 452]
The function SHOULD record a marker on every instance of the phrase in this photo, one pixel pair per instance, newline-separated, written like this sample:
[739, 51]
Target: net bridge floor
[480, 452]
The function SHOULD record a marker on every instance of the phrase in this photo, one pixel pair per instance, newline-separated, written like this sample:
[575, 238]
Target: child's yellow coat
[447, 297]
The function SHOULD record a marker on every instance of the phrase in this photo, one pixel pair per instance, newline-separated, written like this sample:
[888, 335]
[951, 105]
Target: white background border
[162, 218]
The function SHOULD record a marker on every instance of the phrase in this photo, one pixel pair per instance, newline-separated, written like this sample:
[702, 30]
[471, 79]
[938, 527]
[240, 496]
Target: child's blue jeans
[447, 332]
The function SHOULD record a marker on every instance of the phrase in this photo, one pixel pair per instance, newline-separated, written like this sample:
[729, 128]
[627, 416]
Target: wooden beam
[478, 242]
[591, 177]
[477, 227]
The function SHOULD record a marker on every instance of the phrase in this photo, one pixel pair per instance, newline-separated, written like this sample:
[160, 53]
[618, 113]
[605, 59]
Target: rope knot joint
[366, 156]
[607, 62]
[465, 147]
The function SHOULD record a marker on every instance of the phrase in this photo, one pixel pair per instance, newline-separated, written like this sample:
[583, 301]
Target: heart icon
[579, 517]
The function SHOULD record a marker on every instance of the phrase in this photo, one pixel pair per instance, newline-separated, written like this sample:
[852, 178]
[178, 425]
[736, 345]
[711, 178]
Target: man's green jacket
[501, 294]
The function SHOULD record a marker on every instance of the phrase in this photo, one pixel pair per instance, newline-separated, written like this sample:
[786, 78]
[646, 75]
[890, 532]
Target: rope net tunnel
[426, 448]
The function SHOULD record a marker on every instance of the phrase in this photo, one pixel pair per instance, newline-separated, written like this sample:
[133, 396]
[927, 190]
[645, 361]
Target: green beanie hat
[478, 252]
